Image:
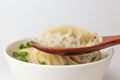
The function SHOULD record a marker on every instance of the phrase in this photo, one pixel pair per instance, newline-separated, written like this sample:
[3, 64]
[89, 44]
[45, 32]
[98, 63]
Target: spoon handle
[111, 40]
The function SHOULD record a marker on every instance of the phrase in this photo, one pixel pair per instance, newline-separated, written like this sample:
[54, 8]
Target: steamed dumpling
[64, 36]
[68, 36]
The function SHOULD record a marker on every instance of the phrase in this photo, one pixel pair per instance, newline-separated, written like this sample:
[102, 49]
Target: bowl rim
[38, 65]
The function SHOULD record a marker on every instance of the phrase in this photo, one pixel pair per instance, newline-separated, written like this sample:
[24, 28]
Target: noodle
[64, 36]
[36, 56]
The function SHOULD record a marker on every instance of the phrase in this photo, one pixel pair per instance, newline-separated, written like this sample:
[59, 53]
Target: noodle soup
[28, 63]
[23, 70]
[60, 36]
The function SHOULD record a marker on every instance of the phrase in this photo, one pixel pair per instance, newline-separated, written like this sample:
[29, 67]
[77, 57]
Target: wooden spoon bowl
[108, 41]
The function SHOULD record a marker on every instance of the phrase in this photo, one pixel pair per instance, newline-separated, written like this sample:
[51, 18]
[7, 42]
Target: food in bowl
[60, 36]
[90, 66]
[27, 71]
[68, 36]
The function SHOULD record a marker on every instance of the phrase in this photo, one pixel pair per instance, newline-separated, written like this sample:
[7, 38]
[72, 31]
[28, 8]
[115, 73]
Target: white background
[27, 18]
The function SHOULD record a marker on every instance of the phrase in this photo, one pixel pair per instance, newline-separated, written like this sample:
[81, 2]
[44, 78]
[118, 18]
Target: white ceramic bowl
[28, 71]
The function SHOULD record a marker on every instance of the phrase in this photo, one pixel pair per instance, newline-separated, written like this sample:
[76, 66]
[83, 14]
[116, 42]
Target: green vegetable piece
[22, 58]
[28, 44]
[22, 46]
[93, 59]
[66, 64]
[43, 63]
[15, 54]
[23, 53]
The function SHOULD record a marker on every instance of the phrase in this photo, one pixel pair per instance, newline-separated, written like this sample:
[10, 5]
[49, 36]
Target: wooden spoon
[108, 41]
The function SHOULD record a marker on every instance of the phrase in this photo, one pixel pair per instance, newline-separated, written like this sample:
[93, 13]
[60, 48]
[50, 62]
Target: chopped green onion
[22, 46]
[23, 53]
[43, 63]
[66, 64]
[28, 44]
[22, 58]
[93, 59]
[15, 54]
